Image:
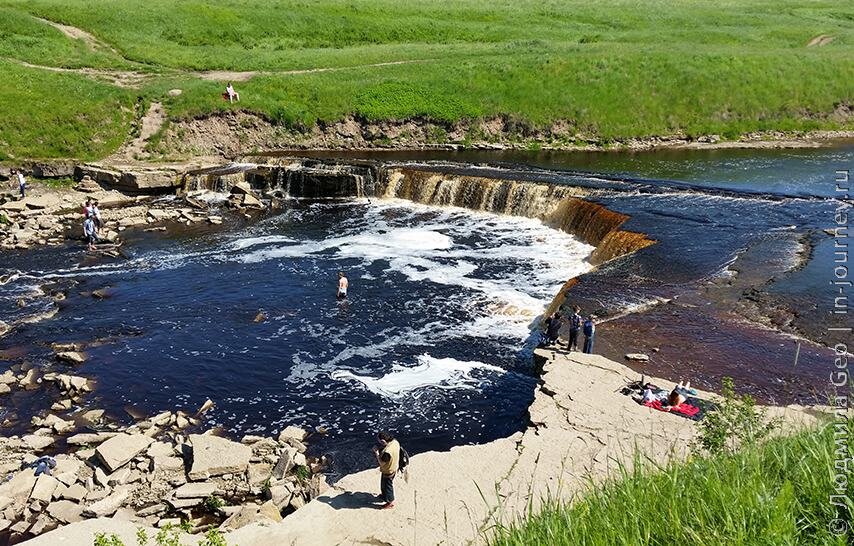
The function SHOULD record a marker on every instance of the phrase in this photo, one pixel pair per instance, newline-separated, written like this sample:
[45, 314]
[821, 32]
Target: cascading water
[557, 205]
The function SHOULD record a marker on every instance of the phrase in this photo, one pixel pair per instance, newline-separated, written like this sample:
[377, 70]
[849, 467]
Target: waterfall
[562, 207]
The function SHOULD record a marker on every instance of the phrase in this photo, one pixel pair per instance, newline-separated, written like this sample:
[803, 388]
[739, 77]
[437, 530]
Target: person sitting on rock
[90, 232]
[232, 94]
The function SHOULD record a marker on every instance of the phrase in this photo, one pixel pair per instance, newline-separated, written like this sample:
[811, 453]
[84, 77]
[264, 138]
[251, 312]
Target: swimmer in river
[343, 283]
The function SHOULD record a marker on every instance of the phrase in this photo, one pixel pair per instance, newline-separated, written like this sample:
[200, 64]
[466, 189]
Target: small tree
[735, 423]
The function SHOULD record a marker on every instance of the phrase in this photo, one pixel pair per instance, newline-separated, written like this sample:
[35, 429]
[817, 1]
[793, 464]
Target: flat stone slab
[88, 438]
[66, 511]
[195, 490]
[108, 505]
[215, 456]
[44, 488]
[120, 449]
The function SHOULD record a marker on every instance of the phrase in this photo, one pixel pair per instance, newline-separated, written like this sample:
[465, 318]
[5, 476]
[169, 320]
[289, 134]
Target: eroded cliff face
[562, 207]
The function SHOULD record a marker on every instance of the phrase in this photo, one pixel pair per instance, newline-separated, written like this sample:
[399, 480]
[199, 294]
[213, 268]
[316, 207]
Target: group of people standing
[91, 222]
[577, 326]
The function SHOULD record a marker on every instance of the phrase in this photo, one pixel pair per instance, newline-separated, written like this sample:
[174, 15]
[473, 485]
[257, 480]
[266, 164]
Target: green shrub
[735, 423]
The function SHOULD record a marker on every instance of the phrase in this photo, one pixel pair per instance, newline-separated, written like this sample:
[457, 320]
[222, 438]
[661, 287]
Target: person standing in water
[388, 457]
[90, 231]
[589, 333]
[343, 283]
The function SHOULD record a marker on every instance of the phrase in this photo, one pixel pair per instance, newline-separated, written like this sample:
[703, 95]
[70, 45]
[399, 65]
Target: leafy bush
[736, 422]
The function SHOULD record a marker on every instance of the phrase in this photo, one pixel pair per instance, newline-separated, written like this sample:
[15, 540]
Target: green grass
[773, 494]
[43, 114]
[615, 69]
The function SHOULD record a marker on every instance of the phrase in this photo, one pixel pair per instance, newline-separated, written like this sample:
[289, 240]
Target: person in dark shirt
[589, 333]
[575, 321]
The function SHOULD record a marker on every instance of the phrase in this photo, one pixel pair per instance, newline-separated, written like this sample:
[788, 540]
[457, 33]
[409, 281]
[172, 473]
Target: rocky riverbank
[231, 134]
[53, 216]
[159, 472]
[581, 429]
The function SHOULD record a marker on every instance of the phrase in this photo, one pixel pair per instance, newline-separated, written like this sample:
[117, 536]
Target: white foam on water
[442, 373]
[248, 242]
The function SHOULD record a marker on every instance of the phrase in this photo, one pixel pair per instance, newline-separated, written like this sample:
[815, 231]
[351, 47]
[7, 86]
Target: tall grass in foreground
[776, 493]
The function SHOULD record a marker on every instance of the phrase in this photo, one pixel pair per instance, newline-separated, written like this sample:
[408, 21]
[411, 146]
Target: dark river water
[434, 341]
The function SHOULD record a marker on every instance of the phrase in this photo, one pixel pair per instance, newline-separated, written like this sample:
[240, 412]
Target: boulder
[284, 464]
[250, 200]
[108, 505]
[637, 357]
[83, 439]
[295, 433]
[52, 169]
[65, 511]
[252, 513]
[20, 486]
[166, 464]
[44, 487]
[120, 449]
[196, 490]
[242, 188]
[75, 493]
[160, 449]
[36, 442]
[71, 357]
[215, 456]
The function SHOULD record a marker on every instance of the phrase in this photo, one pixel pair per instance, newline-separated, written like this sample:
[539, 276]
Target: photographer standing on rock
[388, 457]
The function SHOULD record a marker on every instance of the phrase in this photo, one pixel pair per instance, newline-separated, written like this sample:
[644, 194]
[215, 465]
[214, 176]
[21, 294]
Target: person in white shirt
[22, 183]
[232, 94]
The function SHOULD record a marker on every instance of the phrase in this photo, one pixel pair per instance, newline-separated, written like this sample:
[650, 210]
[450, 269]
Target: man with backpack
[391, 458]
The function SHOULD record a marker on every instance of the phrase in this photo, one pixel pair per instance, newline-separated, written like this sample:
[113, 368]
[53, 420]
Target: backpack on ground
[404, 460]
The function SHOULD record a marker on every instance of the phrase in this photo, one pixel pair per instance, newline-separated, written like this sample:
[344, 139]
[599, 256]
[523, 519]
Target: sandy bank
[581, 428]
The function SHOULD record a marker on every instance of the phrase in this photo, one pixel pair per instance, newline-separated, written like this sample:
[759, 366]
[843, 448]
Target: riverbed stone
[166, 464]
[44, 488]
[215, 456]
[71, 357]
[196, 490]
[252, 513]
[65, 511]
[36, 442]
[20, 486]
[87, 438]
[74, 492]
[292, 432]
[120, 449]
[637, 357]
[108, 505]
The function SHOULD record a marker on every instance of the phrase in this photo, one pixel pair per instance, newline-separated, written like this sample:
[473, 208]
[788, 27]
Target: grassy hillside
[777, 494]
[614, 69]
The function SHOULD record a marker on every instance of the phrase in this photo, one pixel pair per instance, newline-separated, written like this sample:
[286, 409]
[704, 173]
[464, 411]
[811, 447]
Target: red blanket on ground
[684, 408]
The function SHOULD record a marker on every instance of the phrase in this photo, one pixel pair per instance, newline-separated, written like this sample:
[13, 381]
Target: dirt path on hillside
[79, 34]
[242, 76]
[134, 150]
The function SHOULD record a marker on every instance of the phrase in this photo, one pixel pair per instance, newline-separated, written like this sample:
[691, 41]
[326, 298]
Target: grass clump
[776, 492]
